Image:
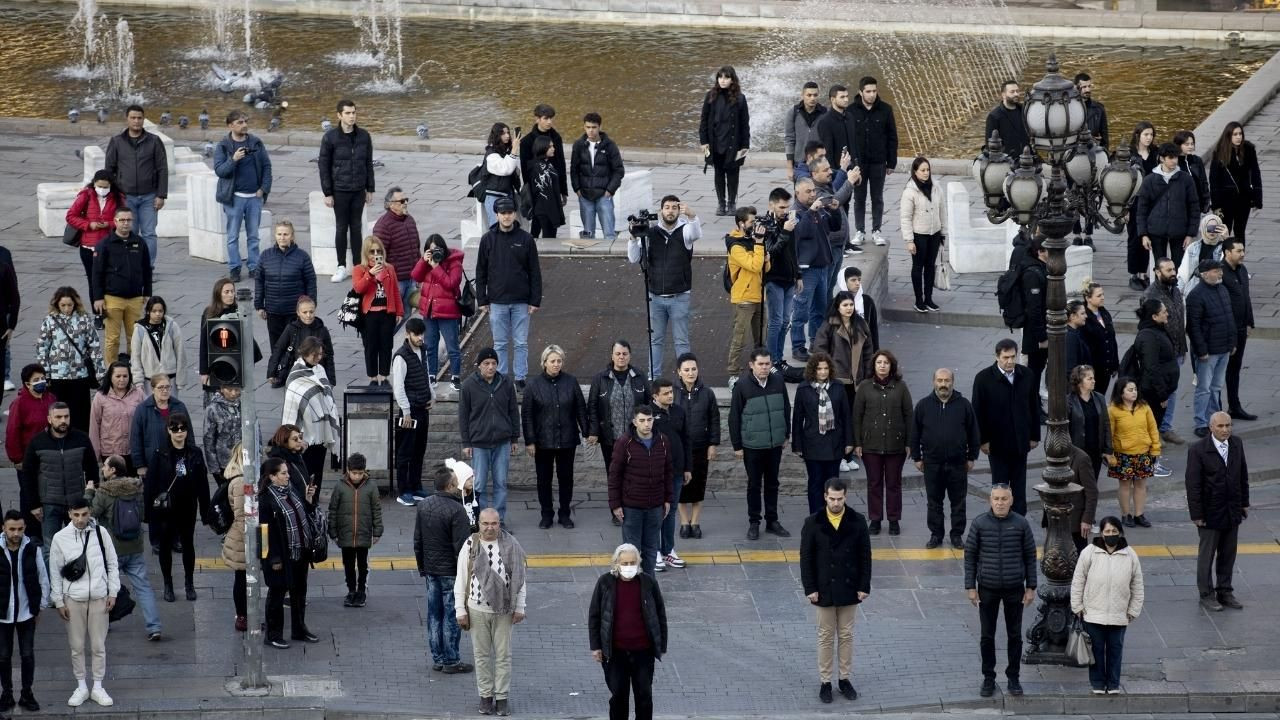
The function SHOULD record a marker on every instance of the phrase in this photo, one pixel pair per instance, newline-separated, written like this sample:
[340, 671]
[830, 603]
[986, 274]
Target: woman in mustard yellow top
[1135, 442]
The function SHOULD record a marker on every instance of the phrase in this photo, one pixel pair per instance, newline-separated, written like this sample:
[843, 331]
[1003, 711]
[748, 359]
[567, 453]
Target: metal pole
[648, 314]
[254, 675]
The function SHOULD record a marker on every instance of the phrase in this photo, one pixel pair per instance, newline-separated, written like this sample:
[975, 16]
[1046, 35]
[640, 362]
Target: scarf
[925, 187]
[309, 404]
[499, 591]
[882, 382]
[297, 526]
[859, 305]
[826, 418]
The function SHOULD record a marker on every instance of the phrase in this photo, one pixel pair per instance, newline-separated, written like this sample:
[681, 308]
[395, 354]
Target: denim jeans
[1166, 423]
[675, 311]
[406, 288]
[490, 217]
[246, 210]
[491, 464]
[810, 305]
[54, 519]
[145, 217]
[447, 329]
[134, 567]
[1210, 375]
[443, 632]
[778, 302]
[641, 527]
[1108, 649]
[601, 207]
[510, 324]
[669, 522]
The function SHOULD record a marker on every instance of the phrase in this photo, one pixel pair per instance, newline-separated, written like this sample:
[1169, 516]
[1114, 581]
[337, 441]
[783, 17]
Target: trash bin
[368, 427]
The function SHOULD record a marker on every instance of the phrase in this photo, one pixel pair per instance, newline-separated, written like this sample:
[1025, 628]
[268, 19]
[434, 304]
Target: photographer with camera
[837, 183]
[782, 279]
[816, 218]
[440, 272]
[747, 265]
[244, 180]
[665, 252]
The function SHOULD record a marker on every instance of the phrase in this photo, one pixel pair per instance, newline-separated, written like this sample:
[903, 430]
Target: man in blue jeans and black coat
[439, 531]
[640, 491]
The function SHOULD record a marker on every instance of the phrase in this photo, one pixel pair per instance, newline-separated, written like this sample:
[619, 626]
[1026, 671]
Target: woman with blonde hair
[71, 354]
[554, 419]
[380, 306]
[233, 542]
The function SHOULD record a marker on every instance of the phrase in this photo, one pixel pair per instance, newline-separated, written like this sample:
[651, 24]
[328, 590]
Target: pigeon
[275, 123]
[378, 163]
[208, 149]
[204, 119]
[166, 117]
[248, 98]
[325, 125]
[423, 132]
[79, 153]
[73, 115]
[102, 115]
[184, 122]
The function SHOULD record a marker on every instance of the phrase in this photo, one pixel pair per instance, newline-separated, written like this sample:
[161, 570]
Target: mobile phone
[250, 151]
[517, 130]
[413, 424]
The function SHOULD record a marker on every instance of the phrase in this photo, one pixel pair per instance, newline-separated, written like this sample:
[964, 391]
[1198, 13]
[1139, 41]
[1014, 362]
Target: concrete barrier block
[322, 225]
[95, 159]
[635, 194]
[1079, 268]
[52, 202]
[974, 245]
[472, 228]
[1271, 22]
[206, 221]
[1182, 21]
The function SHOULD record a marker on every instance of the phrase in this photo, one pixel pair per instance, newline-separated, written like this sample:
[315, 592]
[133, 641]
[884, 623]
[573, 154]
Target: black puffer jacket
[702, 413]
[999, 553]
[599, 417]
[346, 161]
[439, 530]
[283, 276]
[600, 614]
[1168, 208]
[286, 350]
[605, 175]
[1211, 324]
[836, 564]
[553, 413]
[1194, 166]
[1159, 362]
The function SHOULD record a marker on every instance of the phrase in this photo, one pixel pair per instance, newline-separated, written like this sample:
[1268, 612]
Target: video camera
[640, 223]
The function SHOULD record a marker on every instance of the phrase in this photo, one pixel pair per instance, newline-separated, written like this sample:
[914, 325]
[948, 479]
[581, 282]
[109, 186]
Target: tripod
[648, 313]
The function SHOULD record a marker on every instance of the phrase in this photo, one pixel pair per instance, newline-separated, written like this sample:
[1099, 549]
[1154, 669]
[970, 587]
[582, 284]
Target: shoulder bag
[75, 569]
[1079, 644]
[467, 296]
[162, 502]
[71, 235]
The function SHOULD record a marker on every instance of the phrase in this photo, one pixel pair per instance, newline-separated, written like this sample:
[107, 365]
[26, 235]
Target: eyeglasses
[178, 428]
[376, 253]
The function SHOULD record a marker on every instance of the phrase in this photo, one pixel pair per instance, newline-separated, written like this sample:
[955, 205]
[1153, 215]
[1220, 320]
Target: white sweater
[144, 362]
[918, 214]
[1107, 587]
[467, 594]
[100, 580]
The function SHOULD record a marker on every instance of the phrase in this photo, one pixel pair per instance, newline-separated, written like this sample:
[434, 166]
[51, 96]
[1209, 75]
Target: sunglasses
[401, 201]
[178, 428]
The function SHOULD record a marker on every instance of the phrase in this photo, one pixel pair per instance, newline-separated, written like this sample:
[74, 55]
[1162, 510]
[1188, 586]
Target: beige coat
[233, 541]
[918, 214]
[1107, 587]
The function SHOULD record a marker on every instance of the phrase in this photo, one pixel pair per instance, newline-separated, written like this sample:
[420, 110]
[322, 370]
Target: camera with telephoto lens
[437, 255]
[639, 223]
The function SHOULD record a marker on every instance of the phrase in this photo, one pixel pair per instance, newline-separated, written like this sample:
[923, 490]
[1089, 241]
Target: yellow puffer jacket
[1134, 433]
[746, 269]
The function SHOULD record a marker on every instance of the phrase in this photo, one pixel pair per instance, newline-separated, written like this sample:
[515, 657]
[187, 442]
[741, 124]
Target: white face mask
[102, 192]
[629, 571]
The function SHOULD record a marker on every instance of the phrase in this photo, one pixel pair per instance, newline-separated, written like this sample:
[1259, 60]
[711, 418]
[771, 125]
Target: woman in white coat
[921, 220]
[1107, 593]
[156, 347]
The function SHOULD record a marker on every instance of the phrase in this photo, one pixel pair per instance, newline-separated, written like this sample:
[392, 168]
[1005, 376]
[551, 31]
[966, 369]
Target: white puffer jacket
[918, 214]
[100, 580]
[1107, 587]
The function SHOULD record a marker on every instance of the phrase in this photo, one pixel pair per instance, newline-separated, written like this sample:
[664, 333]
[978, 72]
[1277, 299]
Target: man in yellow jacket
[747, 265]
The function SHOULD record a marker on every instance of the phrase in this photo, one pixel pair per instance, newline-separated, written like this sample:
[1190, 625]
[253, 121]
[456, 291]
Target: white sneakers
[673, 560]
[9, 386]
[848, 465]
[858, 237]
[660, 565]
[878, 238]
[78, 697]
[340, 275]
[100, 696]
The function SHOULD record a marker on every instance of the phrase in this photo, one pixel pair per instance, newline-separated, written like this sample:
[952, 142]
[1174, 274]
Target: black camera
[640, 223]
[437, 255]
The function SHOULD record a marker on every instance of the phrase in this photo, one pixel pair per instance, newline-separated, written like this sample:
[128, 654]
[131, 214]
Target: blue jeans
[448, 329]
[55, 518]
[443, 632]
[590, 209]
[1166, 423]
[810, 306]
[1210, 375]
[669, 522]
[779, 303]
[641, 527]
[246, 210]
[406, 288]
[510, 322]
[674, 310]
[145, 216]
[134, 567]
[491, 464]
[1108, 648]
[490, 217]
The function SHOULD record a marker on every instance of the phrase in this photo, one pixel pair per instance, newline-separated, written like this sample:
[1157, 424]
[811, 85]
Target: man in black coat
[596, 171]
[1000, 571]
[544, 126]
[1235, 278]
[346, 179]
[439, 530]
[1006, 118]
[1168, 207]
[1211, 327]
[944, 445]
[609, 412]
[875, 153]
[1035, 334]
[835, 570]
[509, 278]
[1007, 405]
[835, 127]
[1217, 481]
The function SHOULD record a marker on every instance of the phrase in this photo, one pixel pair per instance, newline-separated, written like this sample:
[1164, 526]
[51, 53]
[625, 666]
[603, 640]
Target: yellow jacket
[746, 269]
[1134, 433]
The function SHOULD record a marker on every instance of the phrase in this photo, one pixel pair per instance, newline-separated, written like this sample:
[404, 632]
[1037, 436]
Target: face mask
[102, 192]
[1111, 540]
[39, 387]
[629, 571]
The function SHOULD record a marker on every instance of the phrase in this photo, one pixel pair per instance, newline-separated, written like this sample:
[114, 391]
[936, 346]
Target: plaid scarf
[826, 418]
[297, 523]
[309, 404]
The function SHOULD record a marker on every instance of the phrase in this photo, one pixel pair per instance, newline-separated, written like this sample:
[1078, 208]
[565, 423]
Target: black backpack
[126, 518]
[220, 504]
[1009, 297]
[1131, 363]
[477, 179]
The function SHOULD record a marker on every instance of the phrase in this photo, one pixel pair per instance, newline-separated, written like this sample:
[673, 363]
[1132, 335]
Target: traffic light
[222, 347]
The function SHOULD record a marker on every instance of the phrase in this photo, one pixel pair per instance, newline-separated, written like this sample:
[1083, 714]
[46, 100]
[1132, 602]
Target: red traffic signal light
[222, 352]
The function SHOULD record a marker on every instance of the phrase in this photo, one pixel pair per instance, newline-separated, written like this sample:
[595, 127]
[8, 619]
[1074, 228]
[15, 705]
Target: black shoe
[684, 532]
[720, 209]
[27, 702]
[1202, 432]
[933, 306]
[894, 528]
[1209, 602]
[234, 275]
[350, 601]
[874, 527]
[545, 523]
[168, 593]
[191, 593]
[800, 355]
[305, 636]
[455, 382]
[1142, 521]
[695, 532]
[437, 667]
[774, 527]
[934, 541]
[278, 644]
[486, 706]
[1077, 241]
[1128, 521]
[1229, 600]
[1015, 687]
[6, 701]
[753, 531]
[846, 689]
[177, 547]
[1088, 242]
[957, 542]
[500, 708]
[920, 307]
[566, 523]
[1240, 414]
[456, 668]
[359, 599]
[824, 692]
[988, 688]
[1135, 283]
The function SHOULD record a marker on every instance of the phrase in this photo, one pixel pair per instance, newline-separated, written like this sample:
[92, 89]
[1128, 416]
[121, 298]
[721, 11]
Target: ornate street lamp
[1100, 191]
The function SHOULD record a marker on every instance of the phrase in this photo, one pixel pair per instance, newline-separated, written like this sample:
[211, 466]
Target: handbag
[467, 296]
[71, 235]
[1079, 644]
[162, 502]
[942, 269]
[320, 540]
[350, 314]
[75, 569]
[124, 605]
[90, 367]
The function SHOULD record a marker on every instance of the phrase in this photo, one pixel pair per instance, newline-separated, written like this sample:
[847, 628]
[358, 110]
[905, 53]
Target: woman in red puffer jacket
[439, 272]
[93, 214]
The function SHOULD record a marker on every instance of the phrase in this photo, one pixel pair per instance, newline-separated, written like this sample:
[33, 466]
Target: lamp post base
[1048, 634]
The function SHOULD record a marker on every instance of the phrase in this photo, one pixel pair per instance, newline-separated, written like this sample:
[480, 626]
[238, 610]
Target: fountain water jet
[381, 46]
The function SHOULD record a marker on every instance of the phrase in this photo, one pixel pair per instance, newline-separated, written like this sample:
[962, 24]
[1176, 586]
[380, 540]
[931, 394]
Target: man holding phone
[411, 388]
[244, 180]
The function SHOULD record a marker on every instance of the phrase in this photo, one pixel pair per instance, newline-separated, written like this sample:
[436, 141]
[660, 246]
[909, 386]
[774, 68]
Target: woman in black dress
[725, 135]
[1235, 179]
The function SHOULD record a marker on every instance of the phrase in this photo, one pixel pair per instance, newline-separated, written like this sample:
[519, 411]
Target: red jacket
[28, 415]
[438, 297]
[640, 477]
[362, 281]
[85, 209]
[399, 235]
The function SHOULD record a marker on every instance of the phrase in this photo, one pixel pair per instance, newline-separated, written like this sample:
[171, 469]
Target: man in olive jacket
[759, 426]
[439, 531]
[835, 569]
